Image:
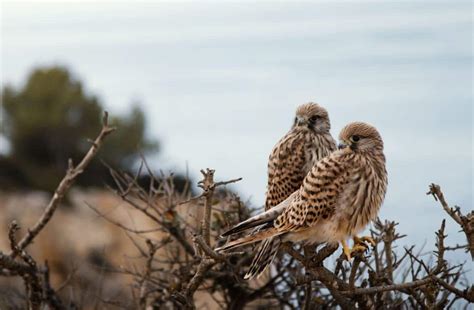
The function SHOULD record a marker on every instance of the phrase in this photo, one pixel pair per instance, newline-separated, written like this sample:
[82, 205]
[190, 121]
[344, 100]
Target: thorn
[70, 165]
[105, 119]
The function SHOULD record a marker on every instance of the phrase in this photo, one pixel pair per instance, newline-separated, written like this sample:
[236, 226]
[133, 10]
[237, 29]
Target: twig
[393, 287]
[435, 190]
[388, 238]
[10, 264]
[308, 295]
[211, 253]
[171, 228]
[71, 175]
[49, 294]
[120, 225]
[146, 276]
[465, 221]
[355, 267]
[467, 294]
[207, 184]
[197, 279]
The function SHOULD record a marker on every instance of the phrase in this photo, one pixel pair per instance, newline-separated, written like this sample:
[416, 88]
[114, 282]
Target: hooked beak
[341, 145]
[301, 121]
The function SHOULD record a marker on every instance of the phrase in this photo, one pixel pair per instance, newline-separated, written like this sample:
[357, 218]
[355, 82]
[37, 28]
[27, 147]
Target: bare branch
[211, 253]
[9, 263]
[65, 184]
[393, 287]
[208, 185]
[465, 221]
[146, 276]
[467, 294]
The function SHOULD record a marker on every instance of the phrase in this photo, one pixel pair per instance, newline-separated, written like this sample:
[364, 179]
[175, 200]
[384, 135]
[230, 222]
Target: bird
[294, 155]
[308, 140]
[339, 197]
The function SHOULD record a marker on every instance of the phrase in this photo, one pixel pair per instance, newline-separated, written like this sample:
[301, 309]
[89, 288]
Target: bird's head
[360, 137]
[312, 116]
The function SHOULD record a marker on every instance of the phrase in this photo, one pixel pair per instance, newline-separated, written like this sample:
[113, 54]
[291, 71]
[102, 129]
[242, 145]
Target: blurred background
[215, 84]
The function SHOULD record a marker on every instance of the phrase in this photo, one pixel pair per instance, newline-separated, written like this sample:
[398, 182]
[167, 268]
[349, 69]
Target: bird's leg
[363, 240]
[358, 248]
[360, 244]
[346, 250]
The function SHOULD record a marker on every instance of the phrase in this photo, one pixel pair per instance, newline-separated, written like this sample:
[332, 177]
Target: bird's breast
[325, 231]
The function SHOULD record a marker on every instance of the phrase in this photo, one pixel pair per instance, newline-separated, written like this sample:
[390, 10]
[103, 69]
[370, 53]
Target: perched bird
[291, 159]
[296, 153]
[341, 194]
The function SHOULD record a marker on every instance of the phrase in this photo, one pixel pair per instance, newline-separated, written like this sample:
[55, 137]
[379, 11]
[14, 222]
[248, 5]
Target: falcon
[291, 159]
[295, 154]
[340, 195]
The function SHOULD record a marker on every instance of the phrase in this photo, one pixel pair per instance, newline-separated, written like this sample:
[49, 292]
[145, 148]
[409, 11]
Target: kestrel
[295, 154]
[341, 194]
[291, 159]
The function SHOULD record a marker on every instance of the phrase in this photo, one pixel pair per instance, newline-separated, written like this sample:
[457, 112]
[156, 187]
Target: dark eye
[313, 119]
[355, 138]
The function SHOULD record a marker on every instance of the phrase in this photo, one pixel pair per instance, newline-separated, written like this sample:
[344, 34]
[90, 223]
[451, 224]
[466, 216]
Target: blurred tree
[51, 119]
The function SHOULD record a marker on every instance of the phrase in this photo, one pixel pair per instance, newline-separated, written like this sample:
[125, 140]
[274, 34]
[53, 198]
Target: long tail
[252, 238]
[266, 252]
[262, 218]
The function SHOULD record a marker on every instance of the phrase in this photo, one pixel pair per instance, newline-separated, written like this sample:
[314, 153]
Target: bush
[51, 118]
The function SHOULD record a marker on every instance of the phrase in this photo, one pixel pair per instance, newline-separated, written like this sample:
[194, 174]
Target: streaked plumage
[294, 155]
[291, 159]
[341, 194]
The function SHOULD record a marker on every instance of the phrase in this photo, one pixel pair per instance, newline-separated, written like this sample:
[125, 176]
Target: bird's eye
[313, 119]
[355, 138]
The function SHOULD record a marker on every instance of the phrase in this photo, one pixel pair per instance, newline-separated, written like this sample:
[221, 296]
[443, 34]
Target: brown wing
[291, 159]
[285, 168]
[318, 195]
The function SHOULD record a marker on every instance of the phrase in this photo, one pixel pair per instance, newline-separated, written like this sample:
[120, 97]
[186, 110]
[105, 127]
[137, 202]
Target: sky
[220, 82]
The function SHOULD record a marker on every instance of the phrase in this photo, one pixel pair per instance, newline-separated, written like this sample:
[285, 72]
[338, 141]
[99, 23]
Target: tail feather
[256, 220]
[266, 252]
[252, 238]
[262, 218]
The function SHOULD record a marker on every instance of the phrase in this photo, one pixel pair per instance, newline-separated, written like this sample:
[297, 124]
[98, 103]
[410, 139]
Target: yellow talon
[358, 248]
[360, 244]
[346, 250]
[363, 240]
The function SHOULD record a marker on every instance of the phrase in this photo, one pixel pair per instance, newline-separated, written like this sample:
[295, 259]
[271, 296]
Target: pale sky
[220, 82]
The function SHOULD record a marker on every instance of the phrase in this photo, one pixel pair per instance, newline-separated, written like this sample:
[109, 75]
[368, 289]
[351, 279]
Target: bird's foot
[362, 241]
[360, 246]
[349, 253]
[346, 250]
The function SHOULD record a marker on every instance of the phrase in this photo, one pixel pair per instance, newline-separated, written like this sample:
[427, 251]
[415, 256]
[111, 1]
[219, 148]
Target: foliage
[51, 118]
